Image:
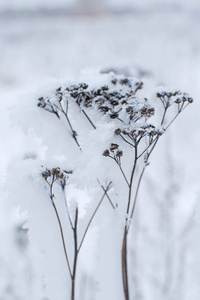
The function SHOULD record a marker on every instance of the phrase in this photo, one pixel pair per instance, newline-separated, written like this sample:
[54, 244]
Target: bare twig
[175, 117]
[131, 180]
[67, 208]
[106, 194]
[92, 217]
[126, 140]
[60, 225]
[74, 134]
[135, 198]
[88, 118]
[75, 253]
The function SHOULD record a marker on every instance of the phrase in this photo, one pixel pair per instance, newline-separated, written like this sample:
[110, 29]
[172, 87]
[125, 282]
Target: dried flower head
[46, 174]
[106, 153]
[113, 147]
[119, 153]
[55, 174]
[118, 131]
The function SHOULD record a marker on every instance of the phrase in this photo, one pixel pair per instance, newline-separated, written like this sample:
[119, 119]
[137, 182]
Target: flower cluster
[117, 101]
[168, 98]
[113, 101]
[114, 152]
[138, 133]
[46, 104]
[54, 174]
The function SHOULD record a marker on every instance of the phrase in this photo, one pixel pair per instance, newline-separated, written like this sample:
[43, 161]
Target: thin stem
[60, 226]
[157, 138]
[120, 120]
[89, 119]
[163, 118]
[106, 194]
[146, 148]
[120, 169]
[92, 217]
[122, 172]
[143, 135]
[180, 109]
[175, 117]
[52, 111]
[125, 265]
[136, 195]
[126, 140]
[67, 208]
[75, 253]
[130, 136]
[74, 134]
[131, 180]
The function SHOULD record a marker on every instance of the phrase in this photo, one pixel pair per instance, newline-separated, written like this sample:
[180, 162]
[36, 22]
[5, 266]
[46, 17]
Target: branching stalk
[94, 213]
[107, 195]
[131, 180]
[60, 225]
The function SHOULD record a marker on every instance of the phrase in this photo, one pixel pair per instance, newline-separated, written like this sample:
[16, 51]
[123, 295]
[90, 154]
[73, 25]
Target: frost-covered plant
[119, 103]
[143, 139]
[52, 176]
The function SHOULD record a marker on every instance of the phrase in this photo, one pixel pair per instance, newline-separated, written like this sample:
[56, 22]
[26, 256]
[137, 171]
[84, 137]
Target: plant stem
[126, 140]
[60, 226]
[124, 243]
[92, 217]
[73, 277]
[125, 265]
[74, 134]
[131, 180]
[122, 172]
[88, 119]
[106, 195]
[136, 194]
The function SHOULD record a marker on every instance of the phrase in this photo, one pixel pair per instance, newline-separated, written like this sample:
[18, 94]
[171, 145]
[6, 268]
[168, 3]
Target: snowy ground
[165, 45]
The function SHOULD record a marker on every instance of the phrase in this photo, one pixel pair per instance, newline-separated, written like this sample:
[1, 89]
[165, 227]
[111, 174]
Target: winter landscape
[100, 146]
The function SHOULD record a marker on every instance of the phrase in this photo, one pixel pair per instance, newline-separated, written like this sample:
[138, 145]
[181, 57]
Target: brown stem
[124, 243]
[125, 265]
[60, 226]
[151, 143]
[75, 255]
[122, 172]
[163, 118]
[181, 110]
[126, 140]
[89, 119]
[94, 213]
[131, 180]
[108, 197]
[74, 134]
[136, 194]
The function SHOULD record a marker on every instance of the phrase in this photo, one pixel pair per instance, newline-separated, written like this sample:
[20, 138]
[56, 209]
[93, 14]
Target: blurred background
[152, 39]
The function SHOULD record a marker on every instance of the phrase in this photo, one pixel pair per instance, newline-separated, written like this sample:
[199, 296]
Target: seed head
[106, 153]
[114, 147]
[118, 131]
[119, 153]
[114, 115]
[46, 174]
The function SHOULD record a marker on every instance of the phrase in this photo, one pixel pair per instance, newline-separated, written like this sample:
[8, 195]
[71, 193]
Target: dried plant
[119, 103]
[142, 139]
[51, 176]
